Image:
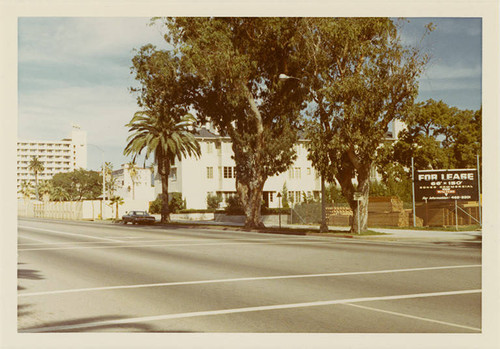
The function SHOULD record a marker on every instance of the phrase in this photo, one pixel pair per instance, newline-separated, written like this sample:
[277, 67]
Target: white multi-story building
[65, 155]
[214, 173]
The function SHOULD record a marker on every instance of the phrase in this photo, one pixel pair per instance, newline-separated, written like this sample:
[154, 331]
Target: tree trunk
[164, 170]
[251, 199]
[250, 188]
[36, 186]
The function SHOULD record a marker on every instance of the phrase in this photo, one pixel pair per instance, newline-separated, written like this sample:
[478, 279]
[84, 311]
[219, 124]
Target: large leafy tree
[361, 78]
[463, 138]
[234, 65]
[164, 127]
[37, 167]
[78, 185]
[437, 136]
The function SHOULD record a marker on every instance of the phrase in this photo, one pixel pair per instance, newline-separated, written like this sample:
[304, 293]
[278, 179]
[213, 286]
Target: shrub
[213, 201]
[176, 204]
[155, 206]
[234, 206]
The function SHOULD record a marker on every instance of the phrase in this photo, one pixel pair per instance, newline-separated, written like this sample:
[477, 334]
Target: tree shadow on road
[22, 310]
[59, 326]
[29, 274]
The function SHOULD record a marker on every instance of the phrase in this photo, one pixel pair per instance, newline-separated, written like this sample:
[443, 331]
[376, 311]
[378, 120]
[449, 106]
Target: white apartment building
[214, 173]
[65, 155]
[140, 188]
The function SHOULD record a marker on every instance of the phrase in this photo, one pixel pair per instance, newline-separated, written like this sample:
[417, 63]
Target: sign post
[413, 192]
[357, 196]
[479, 191]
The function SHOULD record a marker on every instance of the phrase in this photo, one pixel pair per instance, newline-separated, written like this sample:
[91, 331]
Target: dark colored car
[137, 217]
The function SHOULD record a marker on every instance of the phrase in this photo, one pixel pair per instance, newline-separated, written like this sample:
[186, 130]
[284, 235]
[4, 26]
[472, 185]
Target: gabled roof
[204, 133]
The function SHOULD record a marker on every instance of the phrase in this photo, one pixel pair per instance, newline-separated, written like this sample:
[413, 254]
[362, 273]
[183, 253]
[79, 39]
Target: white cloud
[78, 39]
[442, 71]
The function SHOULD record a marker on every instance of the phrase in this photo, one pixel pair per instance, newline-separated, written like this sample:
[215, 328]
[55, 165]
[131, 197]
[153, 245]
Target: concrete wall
[72, 210]
[272, 219]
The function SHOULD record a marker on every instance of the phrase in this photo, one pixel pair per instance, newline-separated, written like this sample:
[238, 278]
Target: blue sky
[77, 70]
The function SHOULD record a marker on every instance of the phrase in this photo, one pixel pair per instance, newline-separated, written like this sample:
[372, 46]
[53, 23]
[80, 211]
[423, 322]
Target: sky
[76, 70]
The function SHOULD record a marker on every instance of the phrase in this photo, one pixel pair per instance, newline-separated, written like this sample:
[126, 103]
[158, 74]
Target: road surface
[88, 277]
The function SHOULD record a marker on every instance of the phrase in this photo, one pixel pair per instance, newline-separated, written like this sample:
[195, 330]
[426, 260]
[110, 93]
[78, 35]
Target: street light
[323, 227]
[279, 208]
[285, 77]
[103, 180]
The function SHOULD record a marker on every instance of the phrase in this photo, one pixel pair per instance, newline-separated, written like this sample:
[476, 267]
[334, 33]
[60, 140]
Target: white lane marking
[66, 233]
[182, 283]
[114, 242]
[27, 238]
[414, 317]
[244, 310]
[252, 242]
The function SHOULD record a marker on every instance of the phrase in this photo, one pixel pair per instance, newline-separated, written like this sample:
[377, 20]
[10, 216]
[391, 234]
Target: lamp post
[103, 180]
[279, 208]
[323, 227]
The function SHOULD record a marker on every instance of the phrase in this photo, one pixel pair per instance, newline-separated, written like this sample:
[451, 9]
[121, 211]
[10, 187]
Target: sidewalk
[432, 236]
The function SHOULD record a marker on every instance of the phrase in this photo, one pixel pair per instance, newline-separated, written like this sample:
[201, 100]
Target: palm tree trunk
[36, 186]
[164, 174]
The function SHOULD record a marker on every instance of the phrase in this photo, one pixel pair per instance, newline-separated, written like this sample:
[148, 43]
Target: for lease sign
[457, 184]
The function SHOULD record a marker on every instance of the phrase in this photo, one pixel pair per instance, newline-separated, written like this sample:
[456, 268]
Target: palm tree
[116, 200]
[132, 171]
[44, 188]
[26, 189]
[166, 138]
[110, 181]
[59, 194]
[36, 166]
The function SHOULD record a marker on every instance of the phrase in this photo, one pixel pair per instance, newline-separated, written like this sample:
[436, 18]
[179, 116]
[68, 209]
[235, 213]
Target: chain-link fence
[390, 212]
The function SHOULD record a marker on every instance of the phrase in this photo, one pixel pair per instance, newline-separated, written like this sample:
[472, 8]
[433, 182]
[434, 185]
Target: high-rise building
[65, 155]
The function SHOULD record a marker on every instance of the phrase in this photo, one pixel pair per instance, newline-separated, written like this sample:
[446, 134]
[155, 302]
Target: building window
[210, 172]
[173, 174]
[297, 173]
[308, 171]
[210, 148]
[229, 172]
[294, 173]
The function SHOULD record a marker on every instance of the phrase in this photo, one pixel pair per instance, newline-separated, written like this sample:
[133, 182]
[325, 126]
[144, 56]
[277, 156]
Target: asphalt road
[88, 277]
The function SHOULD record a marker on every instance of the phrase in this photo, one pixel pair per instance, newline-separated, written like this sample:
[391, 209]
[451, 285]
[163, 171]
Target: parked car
[137, 217]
